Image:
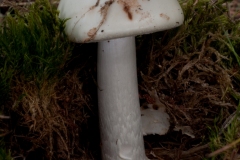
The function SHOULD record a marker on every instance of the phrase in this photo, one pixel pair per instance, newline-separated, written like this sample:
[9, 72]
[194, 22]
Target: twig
[195, 149]
[4, 117]
[217, 152]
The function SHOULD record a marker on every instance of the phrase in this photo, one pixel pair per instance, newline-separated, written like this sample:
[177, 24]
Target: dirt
[190, 86]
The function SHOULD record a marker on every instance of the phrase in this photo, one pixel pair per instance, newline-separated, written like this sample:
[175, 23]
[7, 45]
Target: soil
[189, 86]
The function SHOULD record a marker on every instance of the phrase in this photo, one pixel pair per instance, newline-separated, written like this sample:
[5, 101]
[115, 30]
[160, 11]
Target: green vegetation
[33, 44]
[4, 155]
[33, 52]
[211, 30]
[46, 89]
[224, 141]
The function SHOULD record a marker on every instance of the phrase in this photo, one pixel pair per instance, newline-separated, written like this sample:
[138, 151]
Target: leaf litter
[193, 75]
[191, 68]
[193, 89]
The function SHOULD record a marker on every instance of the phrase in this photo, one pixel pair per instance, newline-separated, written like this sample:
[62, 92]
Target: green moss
[33, 44]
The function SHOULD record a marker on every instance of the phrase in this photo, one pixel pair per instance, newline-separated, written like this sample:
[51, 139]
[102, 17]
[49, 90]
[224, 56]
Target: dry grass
[193, 68]
[50, 117]
[194, 88]
[196, 75]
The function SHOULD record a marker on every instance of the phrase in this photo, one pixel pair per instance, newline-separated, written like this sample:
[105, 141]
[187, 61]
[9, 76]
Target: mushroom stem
[119, 108]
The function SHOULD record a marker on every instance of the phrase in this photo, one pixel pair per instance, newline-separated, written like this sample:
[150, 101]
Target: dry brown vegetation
[193, 87]
[192, 68]
[50, 117]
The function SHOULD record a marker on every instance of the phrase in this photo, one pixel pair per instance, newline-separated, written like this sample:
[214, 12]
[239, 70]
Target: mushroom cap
[96, 20]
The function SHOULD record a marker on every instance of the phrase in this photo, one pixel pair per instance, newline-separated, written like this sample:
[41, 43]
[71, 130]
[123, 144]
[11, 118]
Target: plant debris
[49, 91]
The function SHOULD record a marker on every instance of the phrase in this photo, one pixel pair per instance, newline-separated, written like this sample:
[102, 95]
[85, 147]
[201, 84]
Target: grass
[225, 140]
[195, 69]
[34, 51]
[33, 43]
[4, 155]
[48, 84]
[222, 35]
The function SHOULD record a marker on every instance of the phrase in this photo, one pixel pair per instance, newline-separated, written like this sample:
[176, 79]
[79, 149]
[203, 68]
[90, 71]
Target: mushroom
[114, 23]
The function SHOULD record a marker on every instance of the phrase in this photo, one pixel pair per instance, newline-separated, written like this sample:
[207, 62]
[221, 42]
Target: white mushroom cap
[96, 20]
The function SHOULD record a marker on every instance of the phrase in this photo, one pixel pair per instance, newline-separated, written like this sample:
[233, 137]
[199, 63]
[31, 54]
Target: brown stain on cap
[128, 5]
[126, 9]
[104, 11]
[164, 16]
[92, 32]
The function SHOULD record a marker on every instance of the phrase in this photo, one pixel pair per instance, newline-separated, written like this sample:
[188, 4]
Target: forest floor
[194, 69]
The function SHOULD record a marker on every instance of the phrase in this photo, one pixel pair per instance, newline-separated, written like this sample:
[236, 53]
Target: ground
[193, 68]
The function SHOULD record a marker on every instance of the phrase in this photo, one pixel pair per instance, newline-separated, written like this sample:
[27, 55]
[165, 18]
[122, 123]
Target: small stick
[217, 152]
[4, 117]
[195, 149]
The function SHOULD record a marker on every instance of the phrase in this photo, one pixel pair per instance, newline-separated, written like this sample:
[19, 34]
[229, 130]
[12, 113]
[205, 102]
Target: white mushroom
[114, 23]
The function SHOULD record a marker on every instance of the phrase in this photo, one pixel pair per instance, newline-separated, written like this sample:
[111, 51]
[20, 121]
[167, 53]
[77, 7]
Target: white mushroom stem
[119, 109]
